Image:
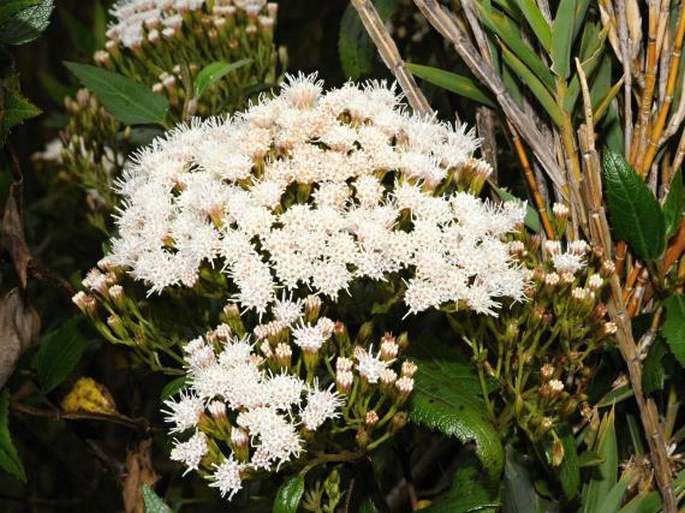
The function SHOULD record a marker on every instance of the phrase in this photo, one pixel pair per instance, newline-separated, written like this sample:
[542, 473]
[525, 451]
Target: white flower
[321, 406]
[227, 478]
[368, 366]
[275, 435]
[184, 412]
[310, 338]
[191, 451]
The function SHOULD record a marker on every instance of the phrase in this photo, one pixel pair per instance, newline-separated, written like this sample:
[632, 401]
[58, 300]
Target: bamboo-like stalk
[640, 134]
[675, 250]
[630, 281]
[645, 159]
[391, 55]
[636, 297]
[600, 235]
[444, 23]
[680, 150]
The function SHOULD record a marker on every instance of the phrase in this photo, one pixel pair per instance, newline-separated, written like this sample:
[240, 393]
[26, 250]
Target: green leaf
[645, 502]
[591, 53]
[463, 86]
[653, 368]
[604, 476]
[214, 72]
[469, 492]
[99, 24]
[128, 101]
[569, 471]
[518, 491]
[9, 459]
[532, 218]
[11, 7]
[673, 207]
[289, 495]
[59, 352]
[355, 47]
[614, 498]
[636, 216]
[153, 504]
[673, 328]
[537, 22]
[615, 396]
[562, 28]
[532, 82]
[444, 399]
[601, 107]
[172, 387]
[26, 25]
[509, 34]
[589, 459]
[17, 110]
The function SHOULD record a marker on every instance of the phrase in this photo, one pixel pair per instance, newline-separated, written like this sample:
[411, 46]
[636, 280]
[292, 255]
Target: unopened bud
[408, 369]
[343, 381]
[371, 419]
[398, 421]
[85, 303]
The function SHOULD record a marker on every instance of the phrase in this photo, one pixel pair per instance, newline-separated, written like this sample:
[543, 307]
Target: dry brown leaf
[19, 326]
[13, 233]
[87, 395]
[138, 472]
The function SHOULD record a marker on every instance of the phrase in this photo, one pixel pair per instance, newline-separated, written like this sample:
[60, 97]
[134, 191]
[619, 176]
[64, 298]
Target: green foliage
[653, 367]
[289, 495]
[673, 328]
[27, 24]
[355, 47]
[569, 471]
[562, 28]
[463, 86]
[59, 352]
[214, 72]
[446, 399]
[673, 207]
[153, 504]
[9, 459]
[17, 109]
[129, 102]
[11, 7]
[537, 22]
[470, 491]
[518, 491]
[604, 476]
[636, 216]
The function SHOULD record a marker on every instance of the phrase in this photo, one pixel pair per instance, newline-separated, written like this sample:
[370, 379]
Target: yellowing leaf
[87, 395]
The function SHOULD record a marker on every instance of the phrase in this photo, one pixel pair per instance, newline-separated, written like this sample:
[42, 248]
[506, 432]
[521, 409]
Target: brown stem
[675, 250]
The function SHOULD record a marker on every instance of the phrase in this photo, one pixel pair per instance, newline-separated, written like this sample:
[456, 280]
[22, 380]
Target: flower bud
[371, 419]
[397, 422]
[408, 369]
[283, 354]
[85, 303]
[343, 381]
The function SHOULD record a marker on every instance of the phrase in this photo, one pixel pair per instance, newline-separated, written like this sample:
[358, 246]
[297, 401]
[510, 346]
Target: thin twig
[391, 55]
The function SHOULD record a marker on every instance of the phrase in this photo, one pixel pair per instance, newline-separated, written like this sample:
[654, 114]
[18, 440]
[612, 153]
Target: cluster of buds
[265, 398]
[147, 38]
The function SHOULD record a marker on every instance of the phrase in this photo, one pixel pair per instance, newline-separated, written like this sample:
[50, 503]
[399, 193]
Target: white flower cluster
[134, 18]
[312, 189]
[229, 383]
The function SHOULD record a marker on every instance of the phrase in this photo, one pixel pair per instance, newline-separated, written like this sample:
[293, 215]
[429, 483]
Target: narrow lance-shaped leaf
[592, 51]
[128, 101]
[601, 107]
[531, 81]
[636, 216]
[673, 328]
[289, 495]
[537, 22]
[214, 72]
[463, 86]
[9, 459]
[673, 207]
[604, 476]
[562, 28]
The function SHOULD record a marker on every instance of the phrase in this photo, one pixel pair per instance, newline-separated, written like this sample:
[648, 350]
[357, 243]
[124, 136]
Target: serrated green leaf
[461, 85]
[532, 218]
[636, 216]
[58, 354]
[153, 504]
[569, 471]
[26, 25]
[673, 207]
[11, 7]
[509, 34]
[537, 22]
[128, 101]
[214, 72]
[9, 459]
[289, 495]
[536, 87]
[603, 477]
[562, 28]
[653, 368]
[17, 110]
[469, 492]
[673, 328]
[355, 47]
[444, 400]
